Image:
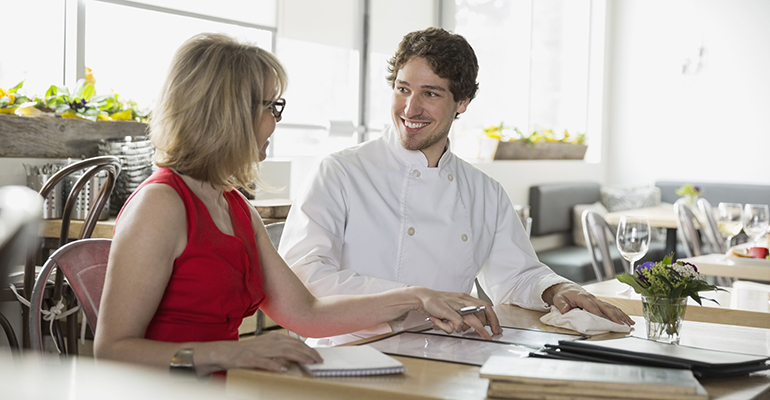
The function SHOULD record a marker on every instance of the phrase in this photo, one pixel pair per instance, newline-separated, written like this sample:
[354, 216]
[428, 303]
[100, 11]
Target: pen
[468, 310]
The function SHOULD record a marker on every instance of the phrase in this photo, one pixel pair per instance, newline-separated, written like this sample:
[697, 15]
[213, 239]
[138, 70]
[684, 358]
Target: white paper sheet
[468, 347]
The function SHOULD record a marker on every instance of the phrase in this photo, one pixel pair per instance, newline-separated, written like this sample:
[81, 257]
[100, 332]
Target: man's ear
[463, 105]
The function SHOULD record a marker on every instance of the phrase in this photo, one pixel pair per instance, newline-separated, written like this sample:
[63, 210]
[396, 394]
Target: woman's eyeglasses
[276, 107]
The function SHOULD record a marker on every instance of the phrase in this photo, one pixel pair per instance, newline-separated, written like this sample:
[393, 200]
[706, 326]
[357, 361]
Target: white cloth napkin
[582, 321]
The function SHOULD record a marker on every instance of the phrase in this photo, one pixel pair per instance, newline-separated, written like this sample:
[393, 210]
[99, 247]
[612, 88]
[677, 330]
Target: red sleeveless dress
[217, 281]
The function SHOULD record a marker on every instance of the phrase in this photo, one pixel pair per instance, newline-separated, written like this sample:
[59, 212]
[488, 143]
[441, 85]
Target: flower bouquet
[665, 287]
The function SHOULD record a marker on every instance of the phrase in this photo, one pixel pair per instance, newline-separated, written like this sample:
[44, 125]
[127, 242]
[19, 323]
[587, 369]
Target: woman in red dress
[191, 258]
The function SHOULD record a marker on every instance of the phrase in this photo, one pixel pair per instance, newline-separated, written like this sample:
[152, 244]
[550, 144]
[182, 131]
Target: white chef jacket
[374, 217]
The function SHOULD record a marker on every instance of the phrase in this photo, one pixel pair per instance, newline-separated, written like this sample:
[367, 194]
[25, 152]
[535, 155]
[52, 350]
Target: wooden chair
[21, 209]
[92, 167]
[595, 231]
[84, 264]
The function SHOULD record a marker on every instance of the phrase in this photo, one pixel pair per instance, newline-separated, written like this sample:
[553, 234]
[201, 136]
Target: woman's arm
[152, 234]
[291, 305]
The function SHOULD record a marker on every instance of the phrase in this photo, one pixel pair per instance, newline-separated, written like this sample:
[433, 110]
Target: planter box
[521, 150]
[52, 137]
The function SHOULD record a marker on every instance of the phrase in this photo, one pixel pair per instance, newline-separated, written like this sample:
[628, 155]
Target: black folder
[637, 351]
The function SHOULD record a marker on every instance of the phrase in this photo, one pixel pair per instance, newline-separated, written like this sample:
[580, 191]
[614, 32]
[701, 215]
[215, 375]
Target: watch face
[182, 361]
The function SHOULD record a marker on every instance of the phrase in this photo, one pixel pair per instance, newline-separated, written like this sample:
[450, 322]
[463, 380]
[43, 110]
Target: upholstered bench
[553, 220]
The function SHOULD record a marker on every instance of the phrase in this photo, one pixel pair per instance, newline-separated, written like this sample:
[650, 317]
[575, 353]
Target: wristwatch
[182, 362]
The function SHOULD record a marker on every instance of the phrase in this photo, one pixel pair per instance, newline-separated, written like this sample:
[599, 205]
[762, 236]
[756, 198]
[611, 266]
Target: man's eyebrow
[429, 87]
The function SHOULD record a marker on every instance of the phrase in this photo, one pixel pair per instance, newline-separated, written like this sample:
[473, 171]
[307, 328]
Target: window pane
[134, 65]
[384, 37]
[323, 82]
[259, 12]
[533, 66]
[28, 51]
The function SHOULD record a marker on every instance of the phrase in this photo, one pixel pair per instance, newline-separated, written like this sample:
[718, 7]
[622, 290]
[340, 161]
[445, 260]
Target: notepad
[353, 361]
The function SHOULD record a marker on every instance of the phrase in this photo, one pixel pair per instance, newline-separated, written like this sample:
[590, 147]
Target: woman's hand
[271, 351]
[443, 310]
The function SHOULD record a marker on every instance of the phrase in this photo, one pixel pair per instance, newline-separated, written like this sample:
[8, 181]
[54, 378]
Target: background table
[271, 210]
[427, 379]
[734, 267]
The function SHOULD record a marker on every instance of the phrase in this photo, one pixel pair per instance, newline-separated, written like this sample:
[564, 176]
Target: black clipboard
[704, 363]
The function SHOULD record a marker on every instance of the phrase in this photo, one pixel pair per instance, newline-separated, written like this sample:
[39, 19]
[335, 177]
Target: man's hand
[566, 296]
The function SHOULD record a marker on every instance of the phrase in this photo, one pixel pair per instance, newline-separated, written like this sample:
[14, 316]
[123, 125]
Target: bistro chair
[596, 231]
[92, 167]
[689, 235]
[714, 239]
[21, 209]
[84, 264]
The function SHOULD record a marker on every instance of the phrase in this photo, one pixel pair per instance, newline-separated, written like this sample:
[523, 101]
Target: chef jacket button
[451, 177]
[410, 231]
[416, 173]
[464, 237]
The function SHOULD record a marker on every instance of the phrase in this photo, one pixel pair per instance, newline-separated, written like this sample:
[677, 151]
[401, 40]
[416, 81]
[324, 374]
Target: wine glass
[756, 218]
[729, 220]
[633, 239]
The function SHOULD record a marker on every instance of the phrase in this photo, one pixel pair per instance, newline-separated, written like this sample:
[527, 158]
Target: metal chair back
[686, 231]
[715, 240]
[595, 231]
[93, 166]
[84, 264]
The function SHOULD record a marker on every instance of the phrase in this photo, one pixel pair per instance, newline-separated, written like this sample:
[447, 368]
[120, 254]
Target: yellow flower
[90, 76]
[8, 110]
[70, 114]
[12, 97]
[28, 109]
[103, 117]
[2, 92]
[125, 115]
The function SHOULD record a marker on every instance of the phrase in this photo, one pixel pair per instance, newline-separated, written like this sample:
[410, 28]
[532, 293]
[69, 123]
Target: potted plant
[541, 144]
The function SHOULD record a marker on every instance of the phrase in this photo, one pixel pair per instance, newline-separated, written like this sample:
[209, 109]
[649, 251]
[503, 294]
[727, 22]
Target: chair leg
[9, 333]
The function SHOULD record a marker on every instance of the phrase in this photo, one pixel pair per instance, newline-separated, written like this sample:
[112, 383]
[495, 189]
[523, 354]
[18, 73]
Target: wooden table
[753, 312]
[427, 379]
[734, 267]
[271, 210]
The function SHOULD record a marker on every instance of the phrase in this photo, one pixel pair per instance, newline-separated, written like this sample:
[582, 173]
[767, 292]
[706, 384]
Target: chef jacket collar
[414, 157]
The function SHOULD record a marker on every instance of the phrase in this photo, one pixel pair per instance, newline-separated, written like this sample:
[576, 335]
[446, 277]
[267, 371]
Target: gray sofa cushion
[551, 205]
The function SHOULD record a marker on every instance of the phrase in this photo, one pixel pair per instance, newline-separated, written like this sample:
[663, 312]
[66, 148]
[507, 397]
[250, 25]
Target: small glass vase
[663, 316]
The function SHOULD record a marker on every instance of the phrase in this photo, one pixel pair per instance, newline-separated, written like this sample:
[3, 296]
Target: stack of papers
[538, 378]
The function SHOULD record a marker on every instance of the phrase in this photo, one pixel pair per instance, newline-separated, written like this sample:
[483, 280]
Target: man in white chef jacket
[404, 210]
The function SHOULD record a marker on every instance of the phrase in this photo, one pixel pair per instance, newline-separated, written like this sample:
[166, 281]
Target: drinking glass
[633, 239]
[756, 218]
[729, 220]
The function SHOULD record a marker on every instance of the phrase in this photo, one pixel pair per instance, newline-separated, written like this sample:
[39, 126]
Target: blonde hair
[204, 123]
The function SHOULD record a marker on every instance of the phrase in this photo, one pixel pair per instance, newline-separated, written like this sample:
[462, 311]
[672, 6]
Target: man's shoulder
[474, 175]
[357, 155]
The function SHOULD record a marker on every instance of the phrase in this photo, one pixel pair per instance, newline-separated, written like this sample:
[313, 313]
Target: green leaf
[632, 281]
[15, 88]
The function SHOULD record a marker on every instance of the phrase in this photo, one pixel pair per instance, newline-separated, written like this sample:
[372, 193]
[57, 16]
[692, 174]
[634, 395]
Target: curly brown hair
[449, 55]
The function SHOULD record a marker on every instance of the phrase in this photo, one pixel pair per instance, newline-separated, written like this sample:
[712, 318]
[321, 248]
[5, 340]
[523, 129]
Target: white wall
[712, 125]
